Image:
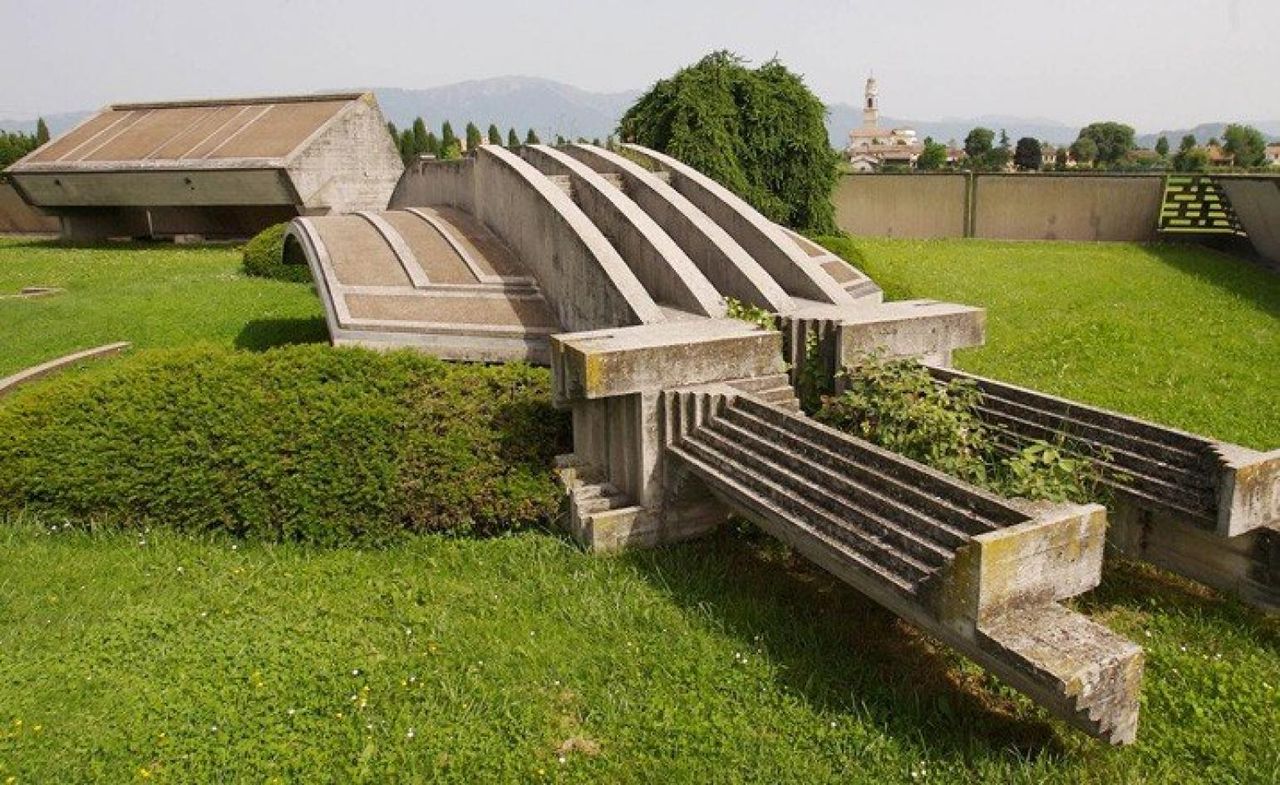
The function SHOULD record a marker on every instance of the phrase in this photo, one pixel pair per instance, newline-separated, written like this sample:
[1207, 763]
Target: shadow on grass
[1243, 278]
[262, 334]
[842, 652]
[1139, 586]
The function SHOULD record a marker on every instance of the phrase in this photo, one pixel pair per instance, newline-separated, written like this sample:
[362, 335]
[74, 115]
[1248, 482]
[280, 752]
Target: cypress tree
[42, 131]
[391, 129]
[532, 138]
[447, 136]
[495, 136]
[433, 144]
[473, 136]
[512, 139]
[407, 150]
[419, 136]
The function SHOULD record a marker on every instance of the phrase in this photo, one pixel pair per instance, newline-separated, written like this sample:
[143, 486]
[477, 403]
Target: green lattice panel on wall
[1195, 204]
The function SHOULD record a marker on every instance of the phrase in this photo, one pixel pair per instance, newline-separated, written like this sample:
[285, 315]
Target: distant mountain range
[553, 108]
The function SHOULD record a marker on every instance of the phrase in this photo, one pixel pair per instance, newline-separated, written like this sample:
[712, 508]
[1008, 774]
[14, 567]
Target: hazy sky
[1153, 63]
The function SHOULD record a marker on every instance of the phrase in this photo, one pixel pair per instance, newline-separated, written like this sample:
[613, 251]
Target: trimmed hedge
[303, 443]
[264, 257]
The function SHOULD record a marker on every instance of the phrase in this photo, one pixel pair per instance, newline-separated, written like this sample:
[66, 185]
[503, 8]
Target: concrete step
[960, 506]
[758, 383]
[612, 178]
[764, 483]
[1080, 666]
[787, 526]
[912, 524]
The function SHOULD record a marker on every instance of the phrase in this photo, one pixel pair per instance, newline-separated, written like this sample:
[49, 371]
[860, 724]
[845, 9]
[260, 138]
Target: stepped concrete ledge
[1206, 509]
[982, 574]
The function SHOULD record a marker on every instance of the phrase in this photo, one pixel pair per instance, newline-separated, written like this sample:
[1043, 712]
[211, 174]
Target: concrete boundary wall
[1257, 204]
[1078, 207]
[903, 205]
[430, 183]
[1049, 207]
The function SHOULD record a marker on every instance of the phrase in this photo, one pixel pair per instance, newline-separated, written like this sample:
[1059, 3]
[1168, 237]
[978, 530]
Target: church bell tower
[871, 108]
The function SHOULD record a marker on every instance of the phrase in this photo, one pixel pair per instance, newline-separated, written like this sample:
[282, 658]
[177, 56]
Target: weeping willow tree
[759, 132]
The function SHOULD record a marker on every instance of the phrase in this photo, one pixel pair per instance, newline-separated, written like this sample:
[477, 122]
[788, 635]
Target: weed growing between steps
[264, 257]
[305, 443]
[896, 404]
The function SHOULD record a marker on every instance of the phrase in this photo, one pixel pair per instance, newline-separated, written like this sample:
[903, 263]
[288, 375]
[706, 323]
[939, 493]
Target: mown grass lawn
[150, 656]
[1174, 333]
[152, 295]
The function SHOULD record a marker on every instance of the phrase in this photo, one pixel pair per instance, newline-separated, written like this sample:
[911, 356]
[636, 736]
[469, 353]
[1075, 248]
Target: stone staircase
[598, 512]
[980, 572]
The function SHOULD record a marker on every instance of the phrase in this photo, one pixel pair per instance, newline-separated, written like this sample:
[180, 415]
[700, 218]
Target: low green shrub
[304, 443]
[896, 404]
[264, 257]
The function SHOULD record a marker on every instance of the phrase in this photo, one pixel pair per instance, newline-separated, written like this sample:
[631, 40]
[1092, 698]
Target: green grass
[1177, 334]
[723, 660]
[152, 295]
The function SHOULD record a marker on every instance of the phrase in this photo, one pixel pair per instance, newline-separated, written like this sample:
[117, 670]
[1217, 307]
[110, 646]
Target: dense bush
[896, 404]
[759, 132]
[299, 443]
[264, 257]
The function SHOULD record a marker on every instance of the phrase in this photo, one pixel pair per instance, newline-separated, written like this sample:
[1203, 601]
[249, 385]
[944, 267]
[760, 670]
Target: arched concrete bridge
[615, 268]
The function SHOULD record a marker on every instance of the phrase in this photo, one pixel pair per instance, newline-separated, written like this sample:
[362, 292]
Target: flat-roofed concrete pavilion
[216, 168]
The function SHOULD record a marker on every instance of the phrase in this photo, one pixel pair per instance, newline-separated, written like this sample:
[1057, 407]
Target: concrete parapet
[1203, 508]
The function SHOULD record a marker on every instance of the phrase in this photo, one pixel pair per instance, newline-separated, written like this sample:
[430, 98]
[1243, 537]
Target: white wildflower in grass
[409, 734]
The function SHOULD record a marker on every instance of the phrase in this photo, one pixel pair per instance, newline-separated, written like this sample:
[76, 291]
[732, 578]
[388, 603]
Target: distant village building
[871, 147]
[1273, 154]
[1218, 155]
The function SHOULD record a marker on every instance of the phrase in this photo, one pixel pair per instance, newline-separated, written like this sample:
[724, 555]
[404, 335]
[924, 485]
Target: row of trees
[14, 145]
[1102, 145]
[418, 140]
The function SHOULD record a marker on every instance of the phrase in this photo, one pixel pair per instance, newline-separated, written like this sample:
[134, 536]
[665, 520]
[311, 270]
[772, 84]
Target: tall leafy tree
[448, 138]
[979, 142]
[1028, 155]
[933, 157]
[760, 132]
[1246, 143]
[1084, 150]
[1162, 146]
[513, 140]
[1113, 141]
[495, 136]
[532, 137]
[474, 138]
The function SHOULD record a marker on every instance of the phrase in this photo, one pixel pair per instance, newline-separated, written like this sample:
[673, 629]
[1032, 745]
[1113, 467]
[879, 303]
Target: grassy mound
[300, 443]
[264, 257]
